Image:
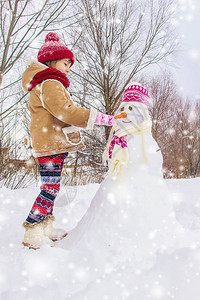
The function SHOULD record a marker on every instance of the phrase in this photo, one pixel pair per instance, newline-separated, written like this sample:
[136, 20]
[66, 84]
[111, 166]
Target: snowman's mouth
[126, 121]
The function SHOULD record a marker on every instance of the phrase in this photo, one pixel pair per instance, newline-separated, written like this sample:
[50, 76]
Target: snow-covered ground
[42, 274]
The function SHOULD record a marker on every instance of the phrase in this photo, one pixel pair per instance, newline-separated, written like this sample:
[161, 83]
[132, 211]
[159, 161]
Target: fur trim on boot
[54, 234]
[34, 236]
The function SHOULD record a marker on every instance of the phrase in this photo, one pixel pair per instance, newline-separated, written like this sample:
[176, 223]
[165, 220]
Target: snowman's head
[129, 114]
[134, 108]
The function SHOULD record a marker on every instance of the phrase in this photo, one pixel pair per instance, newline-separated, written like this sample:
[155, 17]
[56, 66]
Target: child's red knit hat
[53, 49]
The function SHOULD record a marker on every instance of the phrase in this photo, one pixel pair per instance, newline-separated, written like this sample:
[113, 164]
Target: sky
[187, 70]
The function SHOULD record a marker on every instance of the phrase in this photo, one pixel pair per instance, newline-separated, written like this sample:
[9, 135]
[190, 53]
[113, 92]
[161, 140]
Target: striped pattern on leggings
[50, 172]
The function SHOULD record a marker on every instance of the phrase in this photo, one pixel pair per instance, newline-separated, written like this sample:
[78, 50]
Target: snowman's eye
[130, 108]
[122, 109]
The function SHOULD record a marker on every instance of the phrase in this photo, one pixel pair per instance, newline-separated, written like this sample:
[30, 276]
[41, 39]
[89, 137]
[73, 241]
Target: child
[54, 128]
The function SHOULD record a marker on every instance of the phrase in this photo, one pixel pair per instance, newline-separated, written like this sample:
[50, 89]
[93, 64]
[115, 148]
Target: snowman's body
[131, 217]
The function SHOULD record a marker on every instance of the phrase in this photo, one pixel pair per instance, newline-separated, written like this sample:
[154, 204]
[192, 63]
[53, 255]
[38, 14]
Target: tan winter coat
[55, 120]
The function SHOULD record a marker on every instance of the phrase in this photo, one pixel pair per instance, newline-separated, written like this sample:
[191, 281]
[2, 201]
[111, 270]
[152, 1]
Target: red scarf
[49, 73]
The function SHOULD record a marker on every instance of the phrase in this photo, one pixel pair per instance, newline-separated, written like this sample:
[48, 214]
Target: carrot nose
[122, 115]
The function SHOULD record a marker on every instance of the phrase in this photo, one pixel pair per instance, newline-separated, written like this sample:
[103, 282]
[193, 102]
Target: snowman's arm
[118, 161]
[106, 151]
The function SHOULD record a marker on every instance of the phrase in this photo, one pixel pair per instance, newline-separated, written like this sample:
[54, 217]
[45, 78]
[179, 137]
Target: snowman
[130, 141]
[130, 219]
[130, 222]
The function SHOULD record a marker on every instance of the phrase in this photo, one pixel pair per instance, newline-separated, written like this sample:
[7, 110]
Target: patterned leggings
[50, 172]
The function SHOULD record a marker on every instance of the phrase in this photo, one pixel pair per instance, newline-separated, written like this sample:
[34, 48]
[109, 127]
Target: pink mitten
[103, 119]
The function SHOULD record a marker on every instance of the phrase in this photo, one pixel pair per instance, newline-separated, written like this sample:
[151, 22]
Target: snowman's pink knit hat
[53, 49]
[135, 92]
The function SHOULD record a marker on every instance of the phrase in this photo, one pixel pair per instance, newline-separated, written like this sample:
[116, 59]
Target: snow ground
[42, 274]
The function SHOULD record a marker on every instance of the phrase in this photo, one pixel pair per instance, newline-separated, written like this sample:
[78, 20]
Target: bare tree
[114, 41]
[176, 127]
[189, 145]
[22, 21]
[163, 107]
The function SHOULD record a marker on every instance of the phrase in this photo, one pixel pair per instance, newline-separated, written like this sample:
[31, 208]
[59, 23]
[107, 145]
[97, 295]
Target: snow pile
[46, 273]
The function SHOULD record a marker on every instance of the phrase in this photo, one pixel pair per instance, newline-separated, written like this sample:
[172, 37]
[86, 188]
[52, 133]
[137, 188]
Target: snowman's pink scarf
[120, 141]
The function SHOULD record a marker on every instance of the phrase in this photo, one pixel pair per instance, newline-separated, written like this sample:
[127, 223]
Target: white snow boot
[54, 234]
[34, 236]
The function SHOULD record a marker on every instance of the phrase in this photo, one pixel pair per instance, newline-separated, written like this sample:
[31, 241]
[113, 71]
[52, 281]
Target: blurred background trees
[176, 128]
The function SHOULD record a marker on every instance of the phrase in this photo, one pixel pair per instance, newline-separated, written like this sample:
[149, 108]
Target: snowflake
[158, 292]
[81, 274]
[44, 129]
[181, 168]
[171, 131]
[185, 132]
[111, 198]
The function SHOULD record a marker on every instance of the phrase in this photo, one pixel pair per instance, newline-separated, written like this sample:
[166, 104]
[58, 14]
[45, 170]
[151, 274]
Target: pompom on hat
[53, 49]
[135, 92]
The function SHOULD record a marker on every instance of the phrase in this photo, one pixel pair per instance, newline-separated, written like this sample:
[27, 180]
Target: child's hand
[103, 119]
